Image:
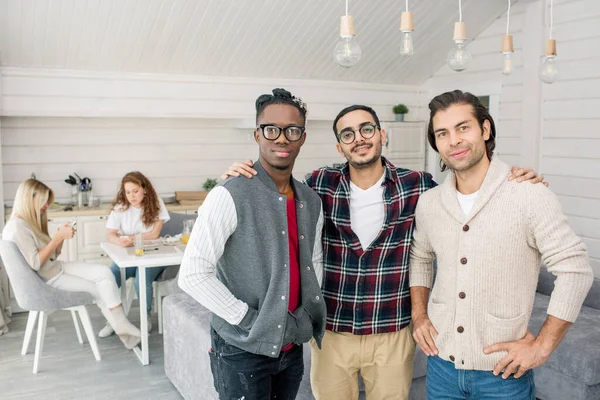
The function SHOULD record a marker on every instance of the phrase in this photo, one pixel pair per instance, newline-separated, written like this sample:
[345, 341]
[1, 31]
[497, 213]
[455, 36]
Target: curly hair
[150, 203]
[280, 96]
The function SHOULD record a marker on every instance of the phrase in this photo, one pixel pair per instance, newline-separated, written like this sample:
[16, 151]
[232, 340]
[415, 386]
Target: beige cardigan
[488, 264]
[18, 231]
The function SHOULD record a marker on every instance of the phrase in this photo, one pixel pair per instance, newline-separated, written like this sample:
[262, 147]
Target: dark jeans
[151, 275]
[444, 382]
[238, 374]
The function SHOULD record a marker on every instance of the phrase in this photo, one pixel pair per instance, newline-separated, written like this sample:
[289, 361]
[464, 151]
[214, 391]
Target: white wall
[176, 154]
[552, 128]
[177, 129]
[570, 146]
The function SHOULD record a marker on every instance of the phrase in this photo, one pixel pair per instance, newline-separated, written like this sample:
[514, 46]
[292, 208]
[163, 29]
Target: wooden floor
[68, 369]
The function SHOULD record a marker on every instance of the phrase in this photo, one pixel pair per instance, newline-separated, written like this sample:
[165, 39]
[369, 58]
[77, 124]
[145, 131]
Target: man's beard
[364, 164]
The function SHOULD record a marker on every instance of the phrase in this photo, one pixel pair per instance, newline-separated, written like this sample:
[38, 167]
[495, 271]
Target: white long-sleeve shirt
[216, 222]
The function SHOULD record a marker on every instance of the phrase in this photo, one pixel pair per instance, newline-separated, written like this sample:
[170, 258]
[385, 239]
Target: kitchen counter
[57, 211]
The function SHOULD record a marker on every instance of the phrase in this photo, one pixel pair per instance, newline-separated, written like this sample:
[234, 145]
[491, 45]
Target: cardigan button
[301, 206]
[462, 295]
[301, 236]
[272, 353]
[463, 260]
[460, 329]
[466, 228]
[308, 268]
[281, 199]
[452, 358]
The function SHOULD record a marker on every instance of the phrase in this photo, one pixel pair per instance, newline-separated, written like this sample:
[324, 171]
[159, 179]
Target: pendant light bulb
[507, 64]
[507, 52]
[407, 48]
[347, 52]
[459, 57]
[548, 71]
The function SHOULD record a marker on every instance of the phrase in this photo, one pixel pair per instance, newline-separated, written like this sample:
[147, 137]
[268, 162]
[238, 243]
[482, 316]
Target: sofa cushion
[578, 355]
[546, 286]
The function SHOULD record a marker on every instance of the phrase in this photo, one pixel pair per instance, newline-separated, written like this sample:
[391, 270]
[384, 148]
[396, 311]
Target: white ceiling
[251, 38]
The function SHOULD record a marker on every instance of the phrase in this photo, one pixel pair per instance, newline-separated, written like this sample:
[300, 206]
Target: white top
[129, 222]
[216, 222]
[367, 211]
[466, 201]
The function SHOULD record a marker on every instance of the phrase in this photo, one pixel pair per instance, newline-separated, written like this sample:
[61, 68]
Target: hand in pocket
[304, 325]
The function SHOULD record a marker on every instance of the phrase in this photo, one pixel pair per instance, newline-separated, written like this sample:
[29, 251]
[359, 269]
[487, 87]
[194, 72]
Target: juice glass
[139, 244]
[188, 225]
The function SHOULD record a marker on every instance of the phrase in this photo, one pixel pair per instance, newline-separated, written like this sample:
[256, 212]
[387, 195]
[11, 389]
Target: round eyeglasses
[292, 133]
[348, 135]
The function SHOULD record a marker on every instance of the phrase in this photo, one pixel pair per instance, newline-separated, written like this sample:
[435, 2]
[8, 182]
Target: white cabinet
[406, 144]
[69, 249]
[91, 231]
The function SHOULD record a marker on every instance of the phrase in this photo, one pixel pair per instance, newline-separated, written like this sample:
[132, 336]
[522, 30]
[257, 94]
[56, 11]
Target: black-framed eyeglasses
[292, 133]
[348, 135]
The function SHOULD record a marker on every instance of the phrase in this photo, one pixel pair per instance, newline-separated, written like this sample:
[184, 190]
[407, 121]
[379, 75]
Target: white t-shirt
[367, 211]
[129, 222]
[466, 201]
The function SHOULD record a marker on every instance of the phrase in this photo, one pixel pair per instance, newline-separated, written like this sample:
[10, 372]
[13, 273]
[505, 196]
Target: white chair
[41, 299]
[166, 283]
[164, 286]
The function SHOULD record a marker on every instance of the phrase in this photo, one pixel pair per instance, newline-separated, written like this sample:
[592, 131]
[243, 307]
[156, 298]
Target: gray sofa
[186, 336]
[573, 371]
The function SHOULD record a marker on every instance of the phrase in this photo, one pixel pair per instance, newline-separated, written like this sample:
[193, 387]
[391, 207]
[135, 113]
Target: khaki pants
[385, 362]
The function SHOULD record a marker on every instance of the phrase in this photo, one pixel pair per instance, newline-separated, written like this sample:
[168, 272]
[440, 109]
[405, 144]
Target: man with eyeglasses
[255, 260]
[369, 212]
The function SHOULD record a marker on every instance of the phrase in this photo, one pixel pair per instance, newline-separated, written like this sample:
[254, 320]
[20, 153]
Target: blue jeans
[444, 382]
[238, 374]
[130, 272]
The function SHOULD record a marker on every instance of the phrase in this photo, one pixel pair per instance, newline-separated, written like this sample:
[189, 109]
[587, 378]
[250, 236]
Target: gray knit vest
[255, 267]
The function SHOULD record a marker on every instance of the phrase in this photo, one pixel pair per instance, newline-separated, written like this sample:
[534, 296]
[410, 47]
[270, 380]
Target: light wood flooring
[68, 369]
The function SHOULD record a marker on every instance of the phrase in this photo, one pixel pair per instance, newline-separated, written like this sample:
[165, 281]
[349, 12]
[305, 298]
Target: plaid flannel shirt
[367, 291]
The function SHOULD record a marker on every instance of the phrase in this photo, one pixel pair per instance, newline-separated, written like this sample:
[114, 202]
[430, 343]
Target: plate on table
[169, 240]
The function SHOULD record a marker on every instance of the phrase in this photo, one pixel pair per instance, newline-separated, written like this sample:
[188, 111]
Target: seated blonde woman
[28, 228]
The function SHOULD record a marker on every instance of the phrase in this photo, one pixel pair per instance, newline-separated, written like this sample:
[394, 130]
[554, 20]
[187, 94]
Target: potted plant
[209, 183]
[400, 110]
